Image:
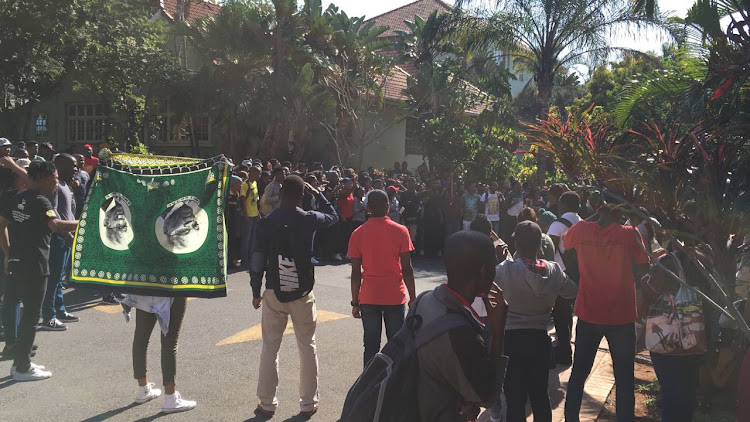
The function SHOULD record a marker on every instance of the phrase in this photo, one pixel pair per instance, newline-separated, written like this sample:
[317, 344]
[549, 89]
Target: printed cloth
[154, 226]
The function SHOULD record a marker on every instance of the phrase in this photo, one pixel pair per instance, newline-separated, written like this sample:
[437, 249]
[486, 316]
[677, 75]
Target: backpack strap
[565, 221]
[440, 325]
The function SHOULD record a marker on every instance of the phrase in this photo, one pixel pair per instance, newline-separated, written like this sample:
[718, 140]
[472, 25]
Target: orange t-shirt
[379, 243]
[606, 290]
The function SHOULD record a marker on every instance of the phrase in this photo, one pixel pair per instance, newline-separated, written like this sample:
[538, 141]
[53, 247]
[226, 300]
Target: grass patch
[651, 388]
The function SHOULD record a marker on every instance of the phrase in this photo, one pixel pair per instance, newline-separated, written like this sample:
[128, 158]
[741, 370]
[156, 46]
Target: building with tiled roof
[194, 9]
[395, 18]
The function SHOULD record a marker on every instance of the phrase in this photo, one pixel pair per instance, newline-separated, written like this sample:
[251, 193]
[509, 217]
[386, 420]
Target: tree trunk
[545, 82]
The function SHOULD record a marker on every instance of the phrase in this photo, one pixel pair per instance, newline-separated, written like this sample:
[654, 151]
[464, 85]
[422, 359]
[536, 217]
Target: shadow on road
[114, 412]
[6, 382]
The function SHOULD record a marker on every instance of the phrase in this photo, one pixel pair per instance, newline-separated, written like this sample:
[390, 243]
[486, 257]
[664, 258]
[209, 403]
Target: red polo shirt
[379, 243]
[606, 255]
[346, 206]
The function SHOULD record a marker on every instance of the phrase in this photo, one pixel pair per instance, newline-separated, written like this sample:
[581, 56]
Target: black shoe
[66, 317]
[110, 299]
[53, 325]
[119, 296]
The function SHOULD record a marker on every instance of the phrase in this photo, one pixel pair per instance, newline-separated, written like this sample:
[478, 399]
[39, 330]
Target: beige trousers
[274, 318]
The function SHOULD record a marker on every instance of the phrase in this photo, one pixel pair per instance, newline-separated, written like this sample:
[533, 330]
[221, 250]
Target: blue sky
[648, 41]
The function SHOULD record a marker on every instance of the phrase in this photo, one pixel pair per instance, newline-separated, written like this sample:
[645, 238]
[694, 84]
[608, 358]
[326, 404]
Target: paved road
[217, 361]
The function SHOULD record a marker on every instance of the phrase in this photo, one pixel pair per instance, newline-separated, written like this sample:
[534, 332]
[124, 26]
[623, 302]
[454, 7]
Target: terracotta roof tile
[395, 84]
[196, 9]
[396, 17]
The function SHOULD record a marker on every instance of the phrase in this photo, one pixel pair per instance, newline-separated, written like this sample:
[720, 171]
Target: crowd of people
[553, 252]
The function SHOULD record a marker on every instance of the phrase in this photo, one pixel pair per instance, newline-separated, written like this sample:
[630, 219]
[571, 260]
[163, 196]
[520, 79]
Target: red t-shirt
[379, 243]
[89, 164]
[346, 206]
[606, 290]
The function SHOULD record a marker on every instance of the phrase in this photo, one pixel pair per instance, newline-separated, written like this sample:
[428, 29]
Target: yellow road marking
[254, 333]
[114, 309]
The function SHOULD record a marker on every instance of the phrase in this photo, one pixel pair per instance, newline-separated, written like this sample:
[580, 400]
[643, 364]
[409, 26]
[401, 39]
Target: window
[40, 124]
[87, 122]
[177, 131]
[413, 143]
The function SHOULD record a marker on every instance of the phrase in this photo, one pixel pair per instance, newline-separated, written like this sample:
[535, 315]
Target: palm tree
[545, 36]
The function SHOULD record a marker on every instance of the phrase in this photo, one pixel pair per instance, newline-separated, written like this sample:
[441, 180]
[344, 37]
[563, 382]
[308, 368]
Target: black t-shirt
[29, 213]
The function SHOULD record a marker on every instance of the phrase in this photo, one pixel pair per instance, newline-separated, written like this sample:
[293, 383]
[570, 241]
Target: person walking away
[609, 256]
[282, 251]
[248, 198]
[270, 199]
[30, 220]
[531, 286]
[380, 251]
[412, 207]
[169, 312]
[345, 207]
[394, 207]
[678, 374]
[54, 314]
[433, 220]
[458, 372]
[491, 205]
[568, 205]
[547, 251]
[470, 205]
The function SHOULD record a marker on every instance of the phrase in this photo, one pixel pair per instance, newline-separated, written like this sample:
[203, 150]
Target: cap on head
[4, 142]
[528, 235]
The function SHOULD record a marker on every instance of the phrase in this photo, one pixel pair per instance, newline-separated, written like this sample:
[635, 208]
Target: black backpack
[387, 389]
[570, 256]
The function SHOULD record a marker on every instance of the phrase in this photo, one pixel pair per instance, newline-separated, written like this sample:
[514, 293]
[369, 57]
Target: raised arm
[326, 215]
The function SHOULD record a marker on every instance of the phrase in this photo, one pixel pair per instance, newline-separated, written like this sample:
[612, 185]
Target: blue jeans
[59, 263]
[373, 317]
[678, 379]
[621, 339]
[248, 230]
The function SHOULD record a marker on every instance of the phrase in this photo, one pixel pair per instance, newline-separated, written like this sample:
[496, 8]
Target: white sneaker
[33, 365]
[314, 261]
[173, 403]
[338, 257]
[147, 393]
[35, 374]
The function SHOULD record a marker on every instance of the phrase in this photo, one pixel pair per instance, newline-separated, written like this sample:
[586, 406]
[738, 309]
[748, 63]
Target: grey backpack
[386, 391]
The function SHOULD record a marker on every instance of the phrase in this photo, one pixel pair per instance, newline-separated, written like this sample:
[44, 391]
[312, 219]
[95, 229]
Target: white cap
[4, 142]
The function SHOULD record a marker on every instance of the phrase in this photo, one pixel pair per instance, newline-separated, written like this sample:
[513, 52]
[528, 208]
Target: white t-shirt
[559, 229]
[492, 206]
[478, 306]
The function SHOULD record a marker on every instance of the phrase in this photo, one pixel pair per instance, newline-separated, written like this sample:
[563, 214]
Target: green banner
[154, 226]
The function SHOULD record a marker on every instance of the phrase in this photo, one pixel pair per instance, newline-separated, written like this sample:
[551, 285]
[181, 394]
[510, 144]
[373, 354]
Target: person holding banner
[30, 220]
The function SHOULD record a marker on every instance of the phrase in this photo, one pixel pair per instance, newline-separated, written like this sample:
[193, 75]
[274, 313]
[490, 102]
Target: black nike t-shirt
[29, 214]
